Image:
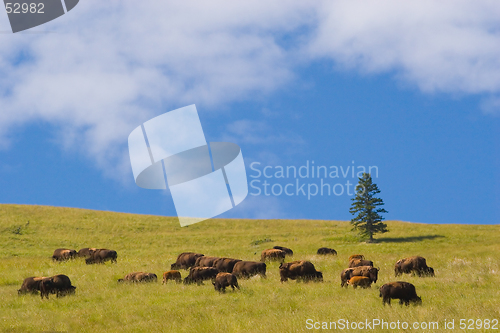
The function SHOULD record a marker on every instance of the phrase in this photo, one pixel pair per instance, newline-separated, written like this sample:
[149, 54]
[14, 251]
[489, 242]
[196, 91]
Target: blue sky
[410, 90]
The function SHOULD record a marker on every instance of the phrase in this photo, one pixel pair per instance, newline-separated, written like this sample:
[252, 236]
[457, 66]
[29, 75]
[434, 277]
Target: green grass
[466, 259]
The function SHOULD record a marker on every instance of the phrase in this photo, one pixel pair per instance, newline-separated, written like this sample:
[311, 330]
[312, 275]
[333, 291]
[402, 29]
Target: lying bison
[199, 274]
[361, 281]
[326, 250]
[63, 254]
[86, 252]
[185, 260]
[366, 271]
[172, 275]
[299, 270]
[139, 277]
[223, 280]
[58, 284]
[225, 264]
[246, 269]
[403, 291]
[360, 262]
[31, 285]
[273, 255]
[288, 252]
[100, 256]
[414, 265]
[204, 261]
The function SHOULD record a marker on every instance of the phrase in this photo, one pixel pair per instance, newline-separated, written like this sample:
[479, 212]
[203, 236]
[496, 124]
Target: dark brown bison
[63, 254]
[299, 270]
[172, 275]
[326, 250]
[139, 277]
[204, 261]
[86, 252]
[288, 252]
[356, 256]
[31, 285]
[100, 256]
[414, 265]
[57, 284]
[223, 280]
[185, 260]
[367, 271]
[199, 274]
[360, 262]
[225, 264]
[273, 255]
[403, 291]
[361, 281]
[246, 269]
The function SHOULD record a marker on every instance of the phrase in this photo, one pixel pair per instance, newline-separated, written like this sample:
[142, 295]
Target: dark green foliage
[367, 219]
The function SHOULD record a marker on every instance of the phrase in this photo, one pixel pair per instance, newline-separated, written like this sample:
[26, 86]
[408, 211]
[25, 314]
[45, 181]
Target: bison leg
[386, 300]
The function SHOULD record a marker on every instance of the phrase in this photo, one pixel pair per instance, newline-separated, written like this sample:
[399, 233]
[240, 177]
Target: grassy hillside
[466, 259]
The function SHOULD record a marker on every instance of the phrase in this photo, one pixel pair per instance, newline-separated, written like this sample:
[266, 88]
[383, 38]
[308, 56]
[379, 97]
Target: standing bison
[273, 255]
[199, 274]
[366, 271]
[403, 291]
[299, 270]
[172, 275]
[86, 252]
[326, 250]
[186, 260]
[360, 262]
[31, 285]
[288, 252]
[361, 281]
[63, 254]
[58, 284]
[225, 264]
[356, 256]
[204, 261]
[139, 277]
[224, 280]
[100, 256]
[414, 265]
[246, 269]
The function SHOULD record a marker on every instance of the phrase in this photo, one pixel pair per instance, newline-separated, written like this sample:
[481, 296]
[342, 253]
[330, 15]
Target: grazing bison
[63, 254]
[204, 261]
[139, 277]
[172, 275]
[414, 265]
[361, 281]
[299, 270]
[86, 252]
[356, 256]
[272, 255]
[360, 262]
[366, 271]
[246, 269]
[31, 285]
[326, 250]
[403, 291]
[57, 284]
[199, 274]
[185, 260]
[100, 256]
[223, 280]
[288, 252]
[225, 264]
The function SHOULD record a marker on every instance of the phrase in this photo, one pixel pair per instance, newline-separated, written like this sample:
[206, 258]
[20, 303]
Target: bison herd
[225, 272]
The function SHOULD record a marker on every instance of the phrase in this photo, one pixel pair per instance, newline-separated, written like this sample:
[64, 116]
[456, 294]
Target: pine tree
[367, 220]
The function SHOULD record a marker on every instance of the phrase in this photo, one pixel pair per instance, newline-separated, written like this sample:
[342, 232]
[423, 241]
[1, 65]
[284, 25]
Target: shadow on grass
[407, 239]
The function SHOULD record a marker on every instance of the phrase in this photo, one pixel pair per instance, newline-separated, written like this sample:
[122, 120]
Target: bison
[172, 275]
[199, 274]
[86, 252]
[185, 260]
[139, 277]
[273, 255]
[225, 264]
[299, 270]
[356, 256]
[100, 256]
[360, 262]
[31, 285]
[204, 261]
[326, 250]
[366, 271]
[246, 269]
[223, 280]
[63, 254]
[403, 291]
[57, 284]
[361, 281]
[288, 252]
[414, 265]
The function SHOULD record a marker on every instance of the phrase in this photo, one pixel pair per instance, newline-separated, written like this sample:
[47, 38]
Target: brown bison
[356, 256]
[185, 260]
[299, 270]
[403, 291]
[86, 252]
[100, 256]
[225, 264]
[326, 250]
[366, 271]
[223, 280]
[57, 284]
[273, 255]
[172, 275]
[361, 281]
[199, 274]
[63, 254]
[246, 269]
[288, 252]
[360, 262]
[139, 277]
[31, 285]
[204, 261]
[414, 265]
